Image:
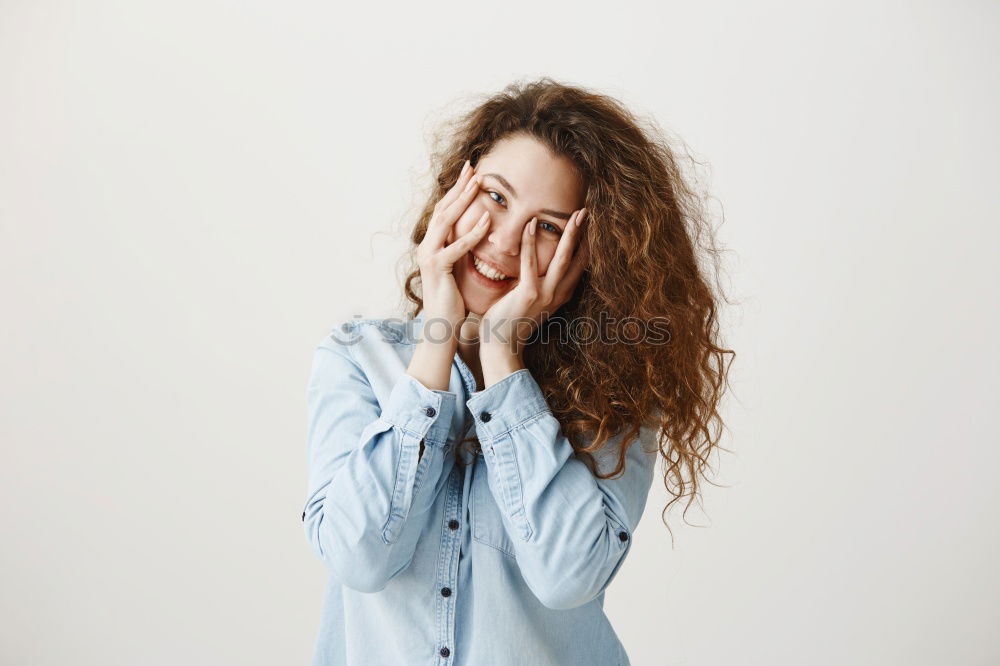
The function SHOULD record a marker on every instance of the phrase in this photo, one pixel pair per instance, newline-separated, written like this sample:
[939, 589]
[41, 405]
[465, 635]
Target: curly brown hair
[647, 223]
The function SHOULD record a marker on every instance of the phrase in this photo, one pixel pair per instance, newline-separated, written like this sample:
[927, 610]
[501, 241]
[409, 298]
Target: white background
[191, 193]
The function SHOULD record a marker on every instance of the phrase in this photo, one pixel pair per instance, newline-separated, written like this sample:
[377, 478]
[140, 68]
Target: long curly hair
[647, 225]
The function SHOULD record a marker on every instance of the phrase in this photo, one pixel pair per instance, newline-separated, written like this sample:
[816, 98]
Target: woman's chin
[476, 308]
[476, 303]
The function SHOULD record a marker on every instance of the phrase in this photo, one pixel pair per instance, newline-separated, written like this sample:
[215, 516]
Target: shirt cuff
[420, 411]
[510, 402]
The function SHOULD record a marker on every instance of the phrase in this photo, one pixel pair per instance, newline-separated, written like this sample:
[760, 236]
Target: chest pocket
[487, 525]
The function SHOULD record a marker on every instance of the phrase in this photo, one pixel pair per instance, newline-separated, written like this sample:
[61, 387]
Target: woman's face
[519, 179]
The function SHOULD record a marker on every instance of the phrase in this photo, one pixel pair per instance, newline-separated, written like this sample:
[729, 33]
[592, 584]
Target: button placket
[451, 541]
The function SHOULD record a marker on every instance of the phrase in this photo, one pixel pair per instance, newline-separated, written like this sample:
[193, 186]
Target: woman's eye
[548, 226]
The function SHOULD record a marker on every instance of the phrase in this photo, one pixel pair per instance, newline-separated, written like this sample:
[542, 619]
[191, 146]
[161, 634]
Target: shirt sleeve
[369, 496]
[571, 531]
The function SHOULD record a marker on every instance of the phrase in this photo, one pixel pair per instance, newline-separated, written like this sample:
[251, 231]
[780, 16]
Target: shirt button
[623, 536]
[445, 591]
[485, 416]
[303, 516]
[453, 524]
[430, 411]
[445, 652]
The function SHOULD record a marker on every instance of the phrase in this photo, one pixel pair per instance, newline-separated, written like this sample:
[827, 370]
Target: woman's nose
[506, 236]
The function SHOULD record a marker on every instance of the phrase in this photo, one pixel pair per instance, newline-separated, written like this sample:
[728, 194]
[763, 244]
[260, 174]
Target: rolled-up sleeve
[571, 531]
[370, 491]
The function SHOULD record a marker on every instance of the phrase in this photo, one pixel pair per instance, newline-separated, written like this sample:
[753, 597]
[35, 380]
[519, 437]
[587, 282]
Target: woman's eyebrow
[513, 193]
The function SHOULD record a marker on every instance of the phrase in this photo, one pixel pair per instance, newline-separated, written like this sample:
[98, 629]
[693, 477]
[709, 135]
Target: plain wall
[191, 194]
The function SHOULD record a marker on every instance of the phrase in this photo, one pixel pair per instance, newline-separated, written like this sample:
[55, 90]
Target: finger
[577, 266]
[529, 258]
[581, 246]
[579, 263]
[584, 245]
[456, 189]
[564, 251]
[452, 253]
[449, 197]
[570, 280]
[584, 253]
[442, 221]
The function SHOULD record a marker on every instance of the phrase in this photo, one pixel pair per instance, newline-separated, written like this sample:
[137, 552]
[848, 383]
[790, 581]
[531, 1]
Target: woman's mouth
[487, 275]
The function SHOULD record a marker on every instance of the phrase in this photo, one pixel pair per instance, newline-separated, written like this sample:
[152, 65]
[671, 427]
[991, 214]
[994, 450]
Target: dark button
[445, 652]
[445, 591]
[623, 536]
[453, 524]
[303, 516]
[485, 416]
[430, 411]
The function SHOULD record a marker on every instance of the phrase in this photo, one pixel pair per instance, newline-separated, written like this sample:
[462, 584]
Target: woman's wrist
[432, 359]
[498, 361]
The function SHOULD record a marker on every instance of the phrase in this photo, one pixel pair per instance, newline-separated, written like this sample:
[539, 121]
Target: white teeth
[487, 271]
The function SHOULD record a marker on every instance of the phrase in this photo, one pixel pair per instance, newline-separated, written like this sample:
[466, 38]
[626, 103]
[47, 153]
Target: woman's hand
[509, 322]
[443, 303]
[436, 259]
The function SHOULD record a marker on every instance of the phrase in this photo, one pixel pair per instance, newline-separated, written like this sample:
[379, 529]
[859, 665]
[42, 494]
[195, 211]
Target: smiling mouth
[488, 271]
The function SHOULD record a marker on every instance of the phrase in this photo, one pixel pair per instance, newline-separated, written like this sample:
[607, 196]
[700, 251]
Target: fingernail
[531, 227]
[465, 167]
[472, 183]
[484, 218]
[579, 218]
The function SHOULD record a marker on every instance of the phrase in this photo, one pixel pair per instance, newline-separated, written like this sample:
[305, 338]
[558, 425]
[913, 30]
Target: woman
[561, 319]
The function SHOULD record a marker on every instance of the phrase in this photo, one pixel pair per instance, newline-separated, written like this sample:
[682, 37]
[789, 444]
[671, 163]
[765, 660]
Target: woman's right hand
[436, 258]
[433, 355]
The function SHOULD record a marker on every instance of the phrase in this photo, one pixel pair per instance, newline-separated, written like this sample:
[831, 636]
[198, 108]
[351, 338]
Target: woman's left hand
[509, 322]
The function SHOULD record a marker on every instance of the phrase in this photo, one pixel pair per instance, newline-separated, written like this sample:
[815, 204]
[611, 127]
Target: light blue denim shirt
[504, 561]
